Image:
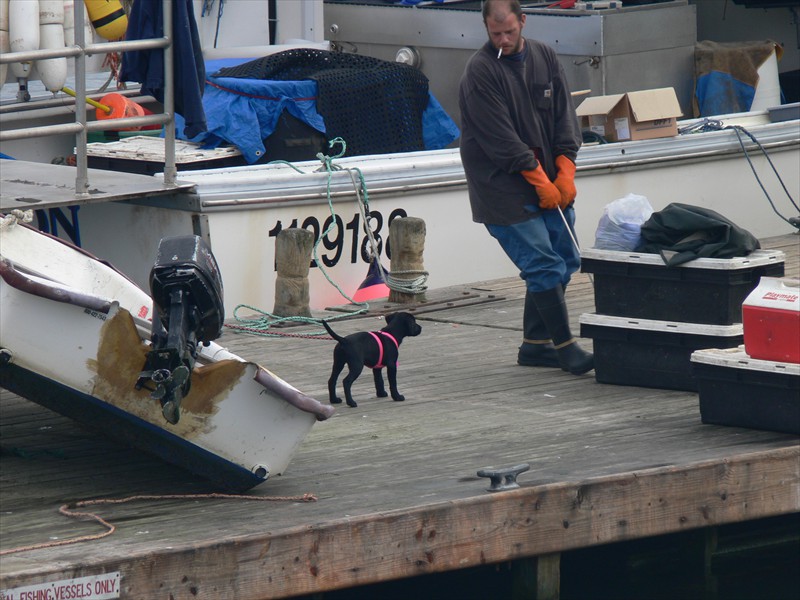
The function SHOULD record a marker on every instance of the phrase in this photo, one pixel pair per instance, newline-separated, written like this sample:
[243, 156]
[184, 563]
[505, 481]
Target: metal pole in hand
[572, 237]
[569, 229]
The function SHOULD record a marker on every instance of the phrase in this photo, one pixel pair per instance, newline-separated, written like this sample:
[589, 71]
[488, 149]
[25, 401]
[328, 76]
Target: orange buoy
[108, 18]
[117, 106]
[120, 108]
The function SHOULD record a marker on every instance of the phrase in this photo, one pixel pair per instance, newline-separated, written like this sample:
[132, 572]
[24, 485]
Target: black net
[375, 106]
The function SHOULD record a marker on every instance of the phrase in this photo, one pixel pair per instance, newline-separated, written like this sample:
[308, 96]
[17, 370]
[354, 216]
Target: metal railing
[81, 126]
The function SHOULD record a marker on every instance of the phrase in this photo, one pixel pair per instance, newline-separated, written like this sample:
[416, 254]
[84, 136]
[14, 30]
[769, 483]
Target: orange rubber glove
[565, 180]
[549, 196]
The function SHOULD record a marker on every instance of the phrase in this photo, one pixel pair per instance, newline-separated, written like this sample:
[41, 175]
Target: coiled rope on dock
[67, 511]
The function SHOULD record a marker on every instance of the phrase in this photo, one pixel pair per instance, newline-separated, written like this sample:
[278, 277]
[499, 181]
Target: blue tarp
[244, 112]
[721, 93]
[726, 75]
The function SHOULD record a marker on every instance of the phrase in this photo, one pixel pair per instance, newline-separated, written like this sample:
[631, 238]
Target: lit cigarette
[499, 52]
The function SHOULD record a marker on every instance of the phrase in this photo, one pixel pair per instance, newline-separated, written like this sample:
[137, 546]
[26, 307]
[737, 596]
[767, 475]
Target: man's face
[506, 34]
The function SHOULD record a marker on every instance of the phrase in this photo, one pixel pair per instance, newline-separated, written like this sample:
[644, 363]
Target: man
[519, 141]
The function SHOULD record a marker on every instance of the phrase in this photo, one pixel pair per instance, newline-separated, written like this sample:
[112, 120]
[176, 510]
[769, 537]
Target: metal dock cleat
[503, 479]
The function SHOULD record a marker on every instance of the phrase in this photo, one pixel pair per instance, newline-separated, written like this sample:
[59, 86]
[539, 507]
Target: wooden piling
[293, 248]
[407, 237]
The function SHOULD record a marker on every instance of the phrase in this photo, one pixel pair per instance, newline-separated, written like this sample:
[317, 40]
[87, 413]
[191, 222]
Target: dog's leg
[347, 382]
[338, 365]
[380, 390]
[391, 374]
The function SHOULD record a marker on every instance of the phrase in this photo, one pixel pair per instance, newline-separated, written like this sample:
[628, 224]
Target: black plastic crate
[648, 353]
[739, 391]
[705, 290]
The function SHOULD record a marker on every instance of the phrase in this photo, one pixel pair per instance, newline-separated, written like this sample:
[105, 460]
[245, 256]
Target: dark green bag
[682, 232]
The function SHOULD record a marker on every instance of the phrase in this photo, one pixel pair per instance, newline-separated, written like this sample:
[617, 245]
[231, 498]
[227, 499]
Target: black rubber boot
[537, 348]
[553, 311]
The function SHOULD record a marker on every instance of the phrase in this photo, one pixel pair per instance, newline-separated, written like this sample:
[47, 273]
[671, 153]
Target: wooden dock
[395, 483]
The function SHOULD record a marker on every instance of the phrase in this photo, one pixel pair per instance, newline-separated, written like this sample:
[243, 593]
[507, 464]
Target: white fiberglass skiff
[75, 336]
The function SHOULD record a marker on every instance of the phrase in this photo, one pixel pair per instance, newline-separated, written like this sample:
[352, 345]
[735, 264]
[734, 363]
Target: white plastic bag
[620, 226]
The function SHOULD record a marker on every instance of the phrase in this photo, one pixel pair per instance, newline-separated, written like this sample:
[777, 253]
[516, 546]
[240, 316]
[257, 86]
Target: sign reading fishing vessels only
[94, 587]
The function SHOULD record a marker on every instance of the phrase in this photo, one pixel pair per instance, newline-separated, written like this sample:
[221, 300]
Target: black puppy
[372, 349]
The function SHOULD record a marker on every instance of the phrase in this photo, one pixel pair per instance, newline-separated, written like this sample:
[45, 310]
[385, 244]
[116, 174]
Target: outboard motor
[186, 288]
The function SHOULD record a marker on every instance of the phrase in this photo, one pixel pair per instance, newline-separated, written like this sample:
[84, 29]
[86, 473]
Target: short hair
[489, 7]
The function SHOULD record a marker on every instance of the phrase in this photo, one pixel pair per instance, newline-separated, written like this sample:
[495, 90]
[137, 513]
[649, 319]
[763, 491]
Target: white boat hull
[239, 210]
[80, 353]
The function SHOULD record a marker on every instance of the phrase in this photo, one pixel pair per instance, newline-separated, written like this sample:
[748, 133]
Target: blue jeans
[541, 248]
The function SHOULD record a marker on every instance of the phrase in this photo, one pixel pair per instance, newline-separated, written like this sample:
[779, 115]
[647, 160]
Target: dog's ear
[390, 317]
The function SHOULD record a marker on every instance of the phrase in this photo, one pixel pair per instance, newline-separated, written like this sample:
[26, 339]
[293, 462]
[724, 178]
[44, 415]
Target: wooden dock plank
[396, 482]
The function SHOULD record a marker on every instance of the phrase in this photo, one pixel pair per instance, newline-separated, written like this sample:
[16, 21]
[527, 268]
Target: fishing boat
[242, 209]
[239, 210]
[80, 338]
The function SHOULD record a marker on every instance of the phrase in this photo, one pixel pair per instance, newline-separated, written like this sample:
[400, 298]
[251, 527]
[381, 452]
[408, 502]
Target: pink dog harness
[380, 364]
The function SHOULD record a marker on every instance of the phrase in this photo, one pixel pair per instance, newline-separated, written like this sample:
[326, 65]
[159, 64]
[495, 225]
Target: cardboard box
[740, 391]
[648, 353]
[640, 115]
[771, 319]
[704, 290]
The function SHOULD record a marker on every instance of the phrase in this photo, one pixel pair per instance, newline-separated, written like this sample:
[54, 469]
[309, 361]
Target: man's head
[504, 21]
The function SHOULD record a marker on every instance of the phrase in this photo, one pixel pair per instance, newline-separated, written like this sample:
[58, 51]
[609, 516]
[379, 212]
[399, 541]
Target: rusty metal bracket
[503, 479]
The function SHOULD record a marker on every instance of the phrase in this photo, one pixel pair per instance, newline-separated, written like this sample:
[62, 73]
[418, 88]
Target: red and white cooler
[771, 320]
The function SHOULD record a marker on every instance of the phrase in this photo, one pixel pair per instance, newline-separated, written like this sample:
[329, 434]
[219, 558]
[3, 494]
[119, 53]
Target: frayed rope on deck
[67, 511]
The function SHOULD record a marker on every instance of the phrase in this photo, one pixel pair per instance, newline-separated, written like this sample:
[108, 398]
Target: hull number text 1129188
[346, 241]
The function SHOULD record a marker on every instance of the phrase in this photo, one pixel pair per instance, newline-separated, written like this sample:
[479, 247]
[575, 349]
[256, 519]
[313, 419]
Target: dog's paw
[382, 394]
[351, 403]
[335, 400]
[398, 398]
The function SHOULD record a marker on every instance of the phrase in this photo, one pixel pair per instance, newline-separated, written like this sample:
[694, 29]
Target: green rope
[261, 325]
[416, 285]
[363, 199]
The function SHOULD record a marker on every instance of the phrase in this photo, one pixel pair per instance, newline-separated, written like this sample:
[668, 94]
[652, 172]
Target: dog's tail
[334, 335]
